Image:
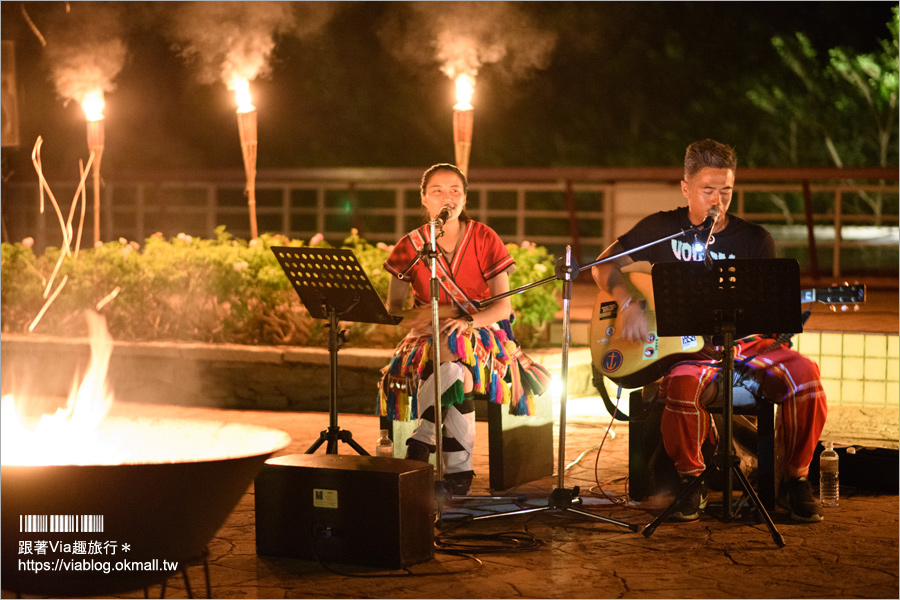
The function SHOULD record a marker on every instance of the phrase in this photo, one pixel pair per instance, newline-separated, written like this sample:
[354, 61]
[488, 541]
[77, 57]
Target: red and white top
[479, 257]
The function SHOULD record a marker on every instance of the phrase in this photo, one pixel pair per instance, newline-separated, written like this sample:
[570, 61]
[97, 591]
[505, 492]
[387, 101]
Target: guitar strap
[445, 278]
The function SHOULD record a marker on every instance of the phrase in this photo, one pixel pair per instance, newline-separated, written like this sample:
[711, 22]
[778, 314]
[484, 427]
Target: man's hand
[632, 323]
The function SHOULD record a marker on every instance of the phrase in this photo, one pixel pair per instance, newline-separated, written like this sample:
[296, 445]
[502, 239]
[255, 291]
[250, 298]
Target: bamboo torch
[93, 111]
[246, 116]
[463, 115]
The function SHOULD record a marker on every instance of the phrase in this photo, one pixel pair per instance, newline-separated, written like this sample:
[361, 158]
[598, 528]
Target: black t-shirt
[740, 239]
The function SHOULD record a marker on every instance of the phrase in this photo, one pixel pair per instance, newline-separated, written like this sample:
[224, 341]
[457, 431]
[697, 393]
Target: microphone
[711, 216]
[443, 216]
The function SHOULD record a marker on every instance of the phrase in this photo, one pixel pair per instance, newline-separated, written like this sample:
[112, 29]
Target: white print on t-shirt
[687, 251]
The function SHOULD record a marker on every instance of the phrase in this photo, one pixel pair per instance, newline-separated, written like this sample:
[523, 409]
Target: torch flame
[465, 88]
[93, 106]
[241, 89]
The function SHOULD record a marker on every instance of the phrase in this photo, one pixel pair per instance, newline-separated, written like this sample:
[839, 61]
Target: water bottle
[829, 490]
[384, 446]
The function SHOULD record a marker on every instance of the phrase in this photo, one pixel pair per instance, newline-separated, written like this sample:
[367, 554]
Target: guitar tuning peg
[844, 308]
[833, 309]
[846, 284]
[856, 308]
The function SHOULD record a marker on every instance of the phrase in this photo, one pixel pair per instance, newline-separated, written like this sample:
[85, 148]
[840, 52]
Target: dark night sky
[626, 83]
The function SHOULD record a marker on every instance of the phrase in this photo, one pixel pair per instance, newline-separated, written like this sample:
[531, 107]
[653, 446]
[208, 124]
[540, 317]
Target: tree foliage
[840, 110]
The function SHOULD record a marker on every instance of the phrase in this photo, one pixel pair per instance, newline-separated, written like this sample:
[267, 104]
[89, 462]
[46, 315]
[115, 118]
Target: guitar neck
[845, 294]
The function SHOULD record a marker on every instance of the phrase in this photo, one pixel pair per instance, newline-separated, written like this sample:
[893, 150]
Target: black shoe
[459, 483]
[796, 495]
[689, 508]
[758, 383]
[749, 378]
[416, 450]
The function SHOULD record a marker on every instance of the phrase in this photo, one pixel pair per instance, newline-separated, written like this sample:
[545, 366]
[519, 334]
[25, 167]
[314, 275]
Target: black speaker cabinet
[349, 509]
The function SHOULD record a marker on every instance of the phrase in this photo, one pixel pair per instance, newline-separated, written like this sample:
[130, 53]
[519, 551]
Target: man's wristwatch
[469, 319]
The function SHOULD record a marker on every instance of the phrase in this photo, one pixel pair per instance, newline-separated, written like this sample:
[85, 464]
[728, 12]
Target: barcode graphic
[61, 523]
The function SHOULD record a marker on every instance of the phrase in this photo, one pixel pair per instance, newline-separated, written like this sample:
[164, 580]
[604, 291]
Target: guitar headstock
[835, 295]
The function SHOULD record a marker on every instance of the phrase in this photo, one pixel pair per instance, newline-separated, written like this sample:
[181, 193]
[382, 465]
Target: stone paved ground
[852, 554]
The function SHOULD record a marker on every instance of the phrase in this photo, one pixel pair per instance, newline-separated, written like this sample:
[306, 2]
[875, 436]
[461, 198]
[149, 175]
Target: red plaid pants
[792, 382]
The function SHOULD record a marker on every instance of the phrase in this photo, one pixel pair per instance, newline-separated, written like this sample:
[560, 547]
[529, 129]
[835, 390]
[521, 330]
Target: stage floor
[852, 553]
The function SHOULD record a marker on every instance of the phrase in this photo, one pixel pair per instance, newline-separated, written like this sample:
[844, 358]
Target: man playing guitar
[776, 373]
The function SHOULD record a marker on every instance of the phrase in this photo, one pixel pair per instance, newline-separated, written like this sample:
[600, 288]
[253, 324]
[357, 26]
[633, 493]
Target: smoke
[225, 40]
[85, 48]
[464, 36]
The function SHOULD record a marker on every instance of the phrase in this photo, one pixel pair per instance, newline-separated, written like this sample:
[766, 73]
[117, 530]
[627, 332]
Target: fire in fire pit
[79, 487]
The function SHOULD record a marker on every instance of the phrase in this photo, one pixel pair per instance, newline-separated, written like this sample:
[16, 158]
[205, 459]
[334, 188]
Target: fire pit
[94, 504]
[159, 511]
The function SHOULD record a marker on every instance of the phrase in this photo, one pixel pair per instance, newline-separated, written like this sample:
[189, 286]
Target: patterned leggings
[458, 441]
[792, 383]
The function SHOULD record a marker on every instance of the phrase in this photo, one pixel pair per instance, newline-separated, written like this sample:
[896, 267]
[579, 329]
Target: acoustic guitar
[635, 364]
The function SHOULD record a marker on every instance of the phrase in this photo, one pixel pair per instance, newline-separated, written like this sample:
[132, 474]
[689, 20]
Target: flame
[64, 437]
[84, 433]
[241, 89]
[465, 88]
[93, 106]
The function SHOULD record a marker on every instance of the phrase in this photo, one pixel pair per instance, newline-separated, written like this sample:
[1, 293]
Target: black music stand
[733, 299]
[333, 285]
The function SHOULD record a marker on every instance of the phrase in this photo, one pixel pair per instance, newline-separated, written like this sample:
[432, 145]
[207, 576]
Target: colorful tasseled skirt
[500, 371]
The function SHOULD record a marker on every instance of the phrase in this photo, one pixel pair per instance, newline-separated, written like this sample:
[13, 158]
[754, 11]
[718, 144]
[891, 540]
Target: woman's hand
[460, 325]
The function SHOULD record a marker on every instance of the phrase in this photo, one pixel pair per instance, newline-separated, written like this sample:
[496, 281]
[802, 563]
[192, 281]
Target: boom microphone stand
[562, 498]
[707, 224]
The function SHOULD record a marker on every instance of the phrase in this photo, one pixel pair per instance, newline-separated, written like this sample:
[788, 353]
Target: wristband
[470, 321]
[627, 303]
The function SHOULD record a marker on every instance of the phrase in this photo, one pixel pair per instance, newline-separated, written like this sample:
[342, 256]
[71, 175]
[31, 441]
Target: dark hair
[708, 153]
[426, 177]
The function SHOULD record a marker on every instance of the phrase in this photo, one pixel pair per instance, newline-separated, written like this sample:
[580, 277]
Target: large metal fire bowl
[167, 511]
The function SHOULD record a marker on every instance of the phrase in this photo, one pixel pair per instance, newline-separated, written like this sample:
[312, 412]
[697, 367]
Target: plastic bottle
[829, 489]
[384, 446]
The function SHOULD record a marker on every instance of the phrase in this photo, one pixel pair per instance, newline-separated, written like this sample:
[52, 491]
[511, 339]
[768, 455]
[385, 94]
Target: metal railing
[551, 207]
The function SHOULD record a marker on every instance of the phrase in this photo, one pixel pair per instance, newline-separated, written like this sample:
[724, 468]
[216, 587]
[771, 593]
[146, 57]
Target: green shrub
[220, 291]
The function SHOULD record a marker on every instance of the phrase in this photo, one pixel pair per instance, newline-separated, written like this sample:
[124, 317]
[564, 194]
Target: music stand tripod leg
[347, 438]
[317, 443]
[685, 493]
[754, 498]
[334, 434]
[724, 459]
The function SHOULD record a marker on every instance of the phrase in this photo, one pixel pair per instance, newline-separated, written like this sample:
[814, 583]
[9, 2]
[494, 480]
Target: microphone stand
[561, 498]
[430, 253]
[693, 229]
